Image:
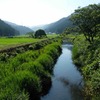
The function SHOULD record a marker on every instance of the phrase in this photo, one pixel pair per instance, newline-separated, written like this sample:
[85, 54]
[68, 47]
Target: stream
[67, 81]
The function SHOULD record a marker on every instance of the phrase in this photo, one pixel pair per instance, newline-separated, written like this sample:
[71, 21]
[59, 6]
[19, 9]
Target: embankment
[87, 57]
[26, 73]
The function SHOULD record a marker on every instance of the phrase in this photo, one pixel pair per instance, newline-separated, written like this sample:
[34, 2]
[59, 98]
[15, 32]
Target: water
[66, 80]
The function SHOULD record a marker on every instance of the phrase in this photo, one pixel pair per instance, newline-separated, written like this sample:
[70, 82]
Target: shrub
[40, 33]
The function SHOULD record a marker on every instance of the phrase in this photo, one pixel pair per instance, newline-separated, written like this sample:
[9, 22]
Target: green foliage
[27, 75]
[46, 61]
[40, 33]
[87, 19]
[53, 50]
[71, 30]
[75, 52]
[87, 57]
[13, 85]
[30, 34]
[11, 42]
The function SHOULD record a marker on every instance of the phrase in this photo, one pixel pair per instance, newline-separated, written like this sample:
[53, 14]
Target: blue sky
[37, 12]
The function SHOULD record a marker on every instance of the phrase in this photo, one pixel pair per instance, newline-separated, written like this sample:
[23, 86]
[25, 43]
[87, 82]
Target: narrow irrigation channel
[67, 81]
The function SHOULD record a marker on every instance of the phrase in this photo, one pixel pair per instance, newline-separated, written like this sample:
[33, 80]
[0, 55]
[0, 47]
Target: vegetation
[70, 30]
[10, 42]
[59, 26]
[86, 49]
[30, 34]
[7, 30]
[27, 75]
[88, 21]
[20, 40]
[40, 33]
[87, 57]
[25, 70]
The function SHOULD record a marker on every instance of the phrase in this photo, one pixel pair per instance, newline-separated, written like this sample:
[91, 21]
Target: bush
[40, 33]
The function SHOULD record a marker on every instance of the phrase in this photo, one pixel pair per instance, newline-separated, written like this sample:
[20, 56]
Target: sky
[39, 12]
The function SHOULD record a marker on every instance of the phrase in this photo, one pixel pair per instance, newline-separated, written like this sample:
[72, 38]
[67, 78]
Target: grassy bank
[27, 75]
[87, 57]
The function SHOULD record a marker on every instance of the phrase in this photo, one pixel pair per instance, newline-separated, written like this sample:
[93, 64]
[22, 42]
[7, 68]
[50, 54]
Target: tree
[40, 33]
[88, 19]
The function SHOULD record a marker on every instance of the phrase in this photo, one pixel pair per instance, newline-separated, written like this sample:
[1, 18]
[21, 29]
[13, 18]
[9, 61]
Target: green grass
[27, 74]
[52, 35]
[9, 42]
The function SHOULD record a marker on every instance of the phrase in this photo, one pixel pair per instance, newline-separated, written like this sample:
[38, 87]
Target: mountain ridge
[57, 26]
[20, 28]
[7, 30]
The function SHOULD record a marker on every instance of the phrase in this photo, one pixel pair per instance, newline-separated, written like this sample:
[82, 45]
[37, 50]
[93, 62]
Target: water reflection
[66, 79]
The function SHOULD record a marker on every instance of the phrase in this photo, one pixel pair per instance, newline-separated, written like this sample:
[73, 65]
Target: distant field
[52, 35]
[9, 42]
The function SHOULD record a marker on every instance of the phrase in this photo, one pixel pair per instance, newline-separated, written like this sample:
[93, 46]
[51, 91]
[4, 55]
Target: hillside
[7, 30]
[21, 29]
[56, 27]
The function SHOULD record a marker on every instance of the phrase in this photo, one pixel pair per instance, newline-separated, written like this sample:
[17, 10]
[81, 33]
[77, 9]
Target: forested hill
[59, 26]
[7, 30]
[56, 27]
[21, 29]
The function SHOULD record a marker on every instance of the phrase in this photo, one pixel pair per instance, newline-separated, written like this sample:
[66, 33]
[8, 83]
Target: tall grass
[27, 75]
[13, 85]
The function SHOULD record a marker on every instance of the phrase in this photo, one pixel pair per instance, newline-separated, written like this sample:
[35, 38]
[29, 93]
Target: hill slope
[7, 30]
[56, 27]
[21, 29]
[59, 26]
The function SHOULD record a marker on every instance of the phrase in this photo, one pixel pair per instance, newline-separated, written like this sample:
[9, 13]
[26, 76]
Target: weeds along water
[87, 57]
[28, 75]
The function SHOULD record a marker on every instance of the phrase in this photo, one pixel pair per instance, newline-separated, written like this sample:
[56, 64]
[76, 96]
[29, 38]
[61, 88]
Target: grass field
[10, 42]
